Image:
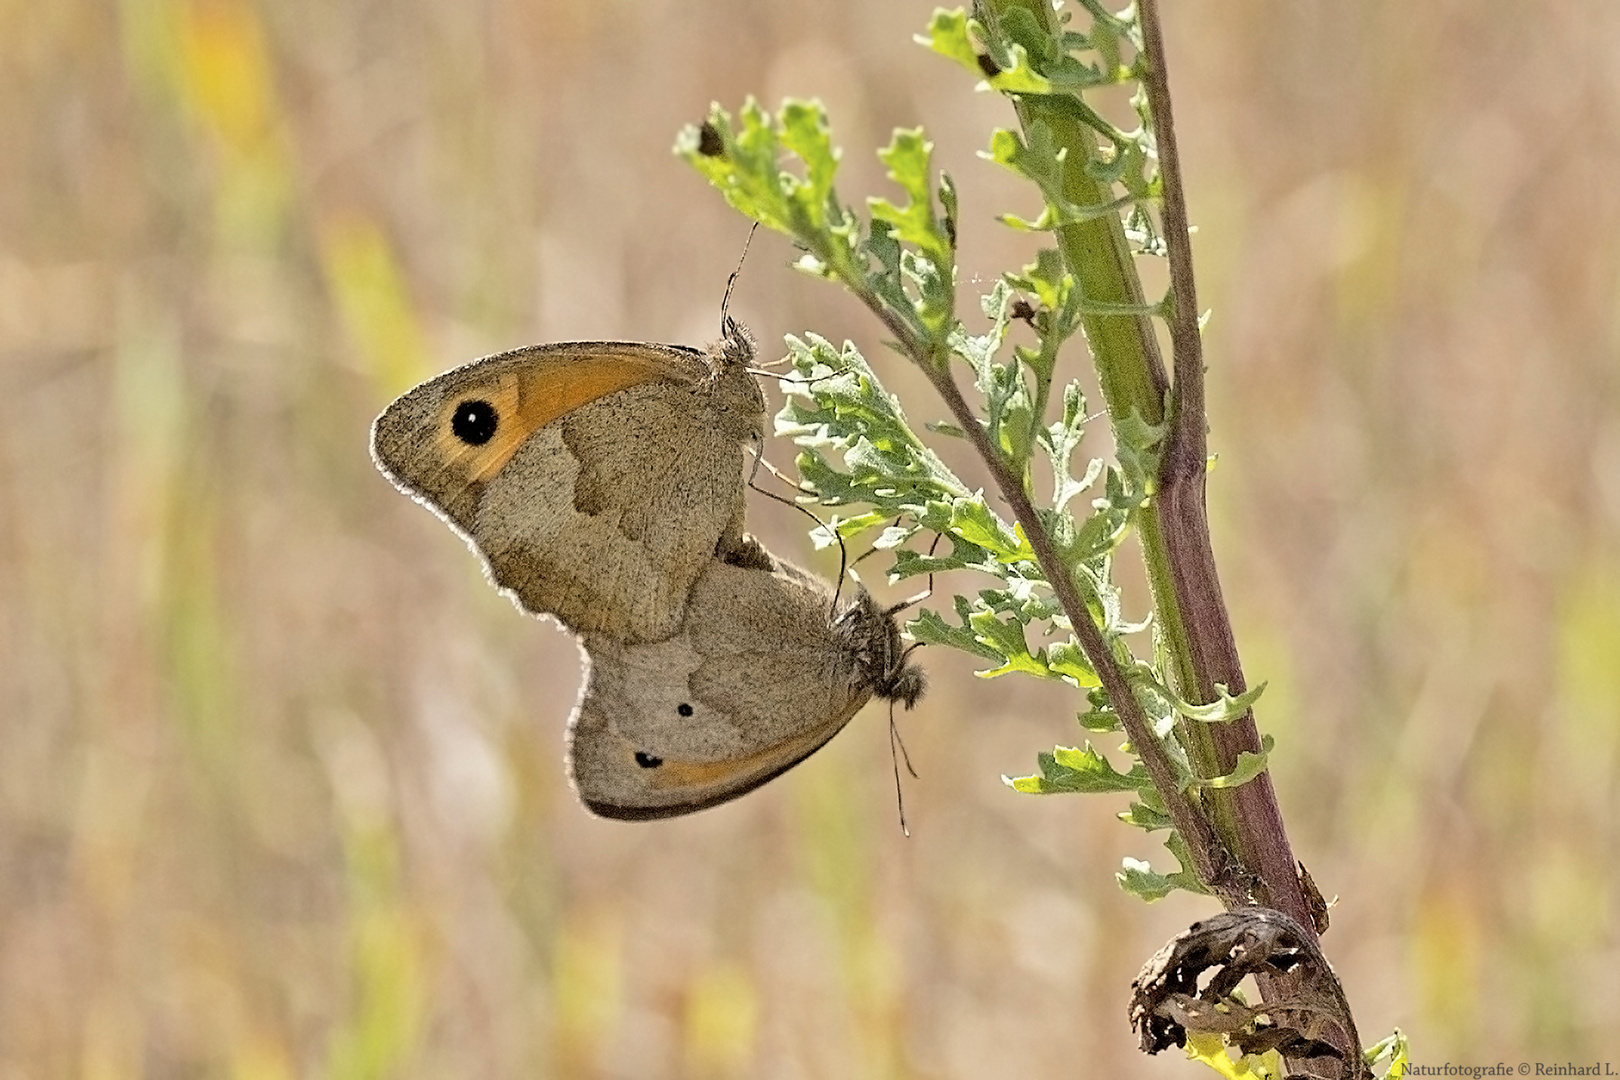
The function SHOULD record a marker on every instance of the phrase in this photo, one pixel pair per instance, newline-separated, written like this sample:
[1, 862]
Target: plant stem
[1211, 864]
[1247, 816]
[1188, 607]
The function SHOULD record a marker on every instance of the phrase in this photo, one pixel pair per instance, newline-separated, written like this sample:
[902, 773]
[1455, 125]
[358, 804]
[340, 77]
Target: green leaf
[1138, 878]
[1065, 659]
[1183, 878]
[1046, 278]
[1138, 444]
[1007, 639]
[893, 537]
[972, 520]
[1145, 817]
[1005, 66]
[909, 159]
[948, 36]
[1224, 709]
[930, 629]
[1102, 721]
[844, 528]
[963, 556]
[1249, 766]
[1066, 770]
[1039, 159]
[1061, 440]
[805, 134]
[835, 401]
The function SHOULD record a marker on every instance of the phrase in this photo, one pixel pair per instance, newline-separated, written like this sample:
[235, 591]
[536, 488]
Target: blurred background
[281, 783]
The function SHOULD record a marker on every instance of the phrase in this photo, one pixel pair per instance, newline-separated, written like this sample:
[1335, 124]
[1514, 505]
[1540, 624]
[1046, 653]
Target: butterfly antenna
[808, 380]
[843, 552]
[896, 744]
[731, 282]
[912, 601]
[869, 552]
[759, 462]
[766, 371]
[900, 742]
[843, 568]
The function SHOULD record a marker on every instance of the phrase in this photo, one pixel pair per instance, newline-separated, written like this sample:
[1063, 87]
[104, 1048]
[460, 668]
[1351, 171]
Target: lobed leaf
[1067, 770]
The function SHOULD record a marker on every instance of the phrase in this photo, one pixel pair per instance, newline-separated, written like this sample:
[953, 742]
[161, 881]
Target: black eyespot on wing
[647, 761]
[474, 422]
[684, 709]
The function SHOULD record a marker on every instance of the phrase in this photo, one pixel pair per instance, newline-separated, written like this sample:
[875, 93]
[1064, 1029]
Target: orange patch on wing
[526, 401]
[674, 775]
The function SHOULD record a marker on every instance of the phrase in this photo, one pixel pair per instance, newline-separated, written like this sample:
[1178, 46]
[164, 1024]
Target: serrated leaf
[1138, 878]
[1183, 878]
[930, 629]
[747, 172]
[948, 36]
[1077, 771]
[1005, 66]
[1224, 709]
[1066, 659]
[1101, 721]
[1099, 535]
[909, 159]
[1047, 277]
[836, 401]
[1100, 775]
[910, 564]
[1011, 408]
[805, 133]
[1061, 440]
[1145, 817]
[1137, 444]
[1025, 599]
[1037, 157]
[892, 537]
[848, 527]
[972, 520]
[1006, 637]
[1249, 765]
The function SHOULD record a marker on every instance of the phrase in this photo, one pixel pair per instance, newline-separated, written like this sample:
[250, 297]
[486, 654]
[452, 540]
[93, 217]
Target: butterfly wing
[596, 480]
[756, 681]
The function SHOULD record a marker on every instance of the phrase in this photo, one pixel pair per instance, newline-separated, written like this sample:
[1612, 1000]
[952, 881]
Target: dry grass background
[281, 790]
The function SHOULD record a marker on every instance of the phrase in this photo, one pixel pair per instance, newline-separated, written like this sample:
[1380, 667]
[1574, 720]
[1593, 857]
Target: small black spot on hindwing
[647, 761]
[684, 709]
[474, 422]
